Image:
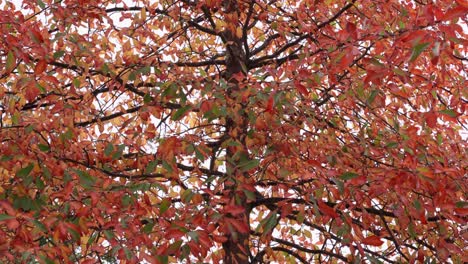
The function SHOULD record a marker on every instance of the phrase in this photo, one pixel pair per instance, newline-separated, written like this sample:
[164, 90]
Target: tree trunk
[236, 248]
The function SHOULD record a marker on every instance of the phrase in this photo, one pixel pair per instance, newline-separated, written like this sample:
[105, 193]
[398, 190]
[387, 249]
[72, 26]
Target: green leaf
[174, 247]
[147, 98]
[39, 225]
[164, 206]
[373, 260]
[250, 195]
[340, 184]
[391, 144]
[41, 4]
[249, 165]
[167, 166]
[25, 171]
[417, 204]
[449, 112]
[43, 147]
[127, 200]
[269, 223]
[128, 253]
[118, 153]
[193, 235]
[109, 234]
[187, 195]
[151, 166]
[372, 96]
[417, 50]
[4, 217]
[58, 54]
[348, 176]
[74, 234]
[148, 227]
[109, 149]
[86, 180]
[25, 203]
[144, 70]
[180, 112]
[199, 155]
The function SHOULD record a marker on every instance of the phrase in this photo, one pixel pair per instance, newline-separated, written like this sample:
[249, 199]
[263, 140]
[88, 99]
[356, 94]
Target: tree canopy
[233, 131]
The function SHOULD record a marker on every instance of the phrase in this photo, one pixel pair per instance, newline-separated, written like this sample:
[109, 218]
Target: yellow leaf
[143, 14]
[239, 32]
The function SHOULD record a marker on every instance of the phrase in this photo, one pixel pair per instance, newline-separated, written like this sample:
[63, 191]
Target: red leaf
[234, 209]
[40, 67]
[463, 3]
[372, 241]
[12, 224]
[431, 119]
[270, 104]
[219, 239]
[461, 211]
[174, 233]
[32, 92]
[301, 88]
[238, 225]
[455, 12]
[327, 210]
[351, 29]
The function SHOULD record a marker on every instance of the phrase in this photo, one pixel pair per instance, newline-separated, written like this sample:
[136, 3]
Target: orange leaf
[463, 3]
[372, 241]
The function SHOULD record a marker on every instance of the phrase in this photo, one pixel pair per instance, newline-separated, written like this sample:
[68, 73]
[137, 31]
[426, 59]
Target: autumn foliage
[233, 131]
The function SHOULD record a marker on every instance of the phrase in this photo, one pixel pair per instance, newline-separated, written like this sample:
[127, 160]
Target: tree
[233, 131]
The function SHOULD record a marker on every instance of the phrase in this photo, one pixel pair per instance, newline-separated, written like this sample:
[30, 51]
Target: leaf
[431, 119]
[164, 205]
[270, 222]
[234, 209]
[187, 195]
[327, 210]
[449, 112]
[372, 96]
[180, 112]
[86, 180]
[109, 149]
[25, 171]
[301, 88]
[373, 241]
[148, 227]
[4, 217]
[194, 236]
[392, 144]
[41, 65]
[417, 50]
[43, 147]
[348, 176]
[151, 166]
[58, 54]
[10, 62]
[249, 165]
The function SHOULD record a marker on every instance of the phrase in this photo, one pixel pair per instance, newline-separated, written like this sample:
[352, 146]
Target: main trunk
[236, 248]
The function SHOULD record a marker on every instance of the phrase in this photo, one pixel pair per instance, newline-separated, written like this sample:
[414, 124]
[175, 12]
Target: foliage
[233, 131]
